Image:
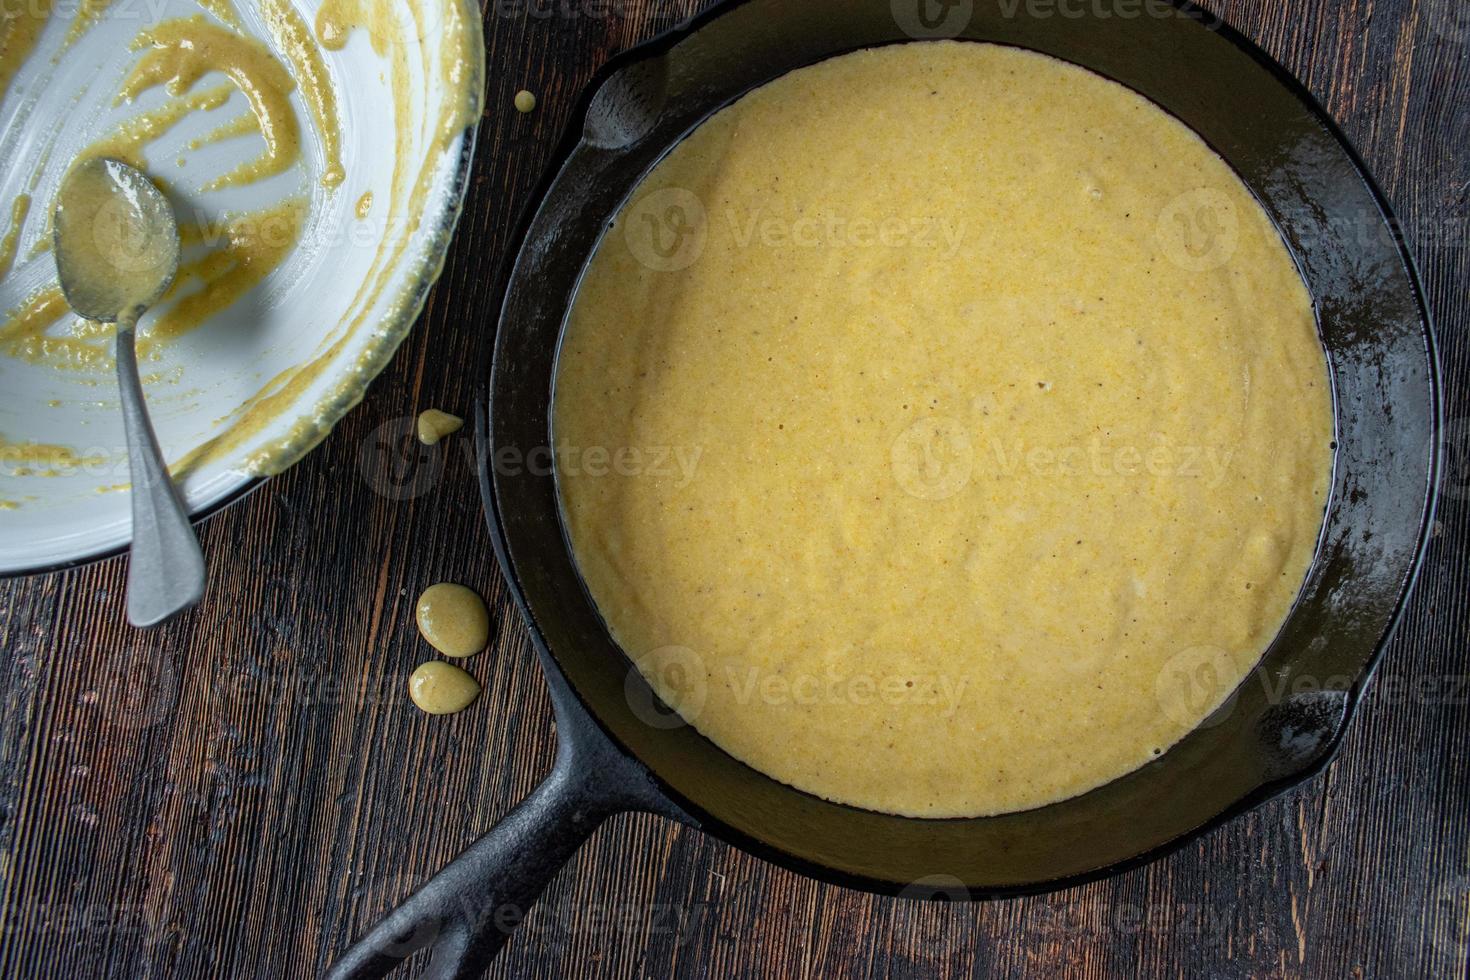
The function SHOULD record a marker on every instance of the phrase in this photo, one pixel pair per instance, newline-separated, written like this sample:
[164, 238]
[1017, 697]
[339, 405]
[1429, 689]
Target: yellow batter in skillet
[943, 429]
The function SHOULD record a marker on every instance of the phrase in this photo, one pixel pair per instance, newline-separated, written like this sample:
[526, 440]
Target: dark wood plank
[238, 794]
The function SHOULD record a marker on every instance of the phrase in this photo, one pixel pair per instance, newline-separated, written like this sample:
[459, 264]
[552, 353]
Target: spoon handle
[166, 570]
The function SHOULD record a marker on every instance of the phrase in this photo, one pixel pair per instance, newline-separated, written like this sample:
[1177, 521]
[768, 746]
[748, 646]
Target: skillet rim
[563, 689]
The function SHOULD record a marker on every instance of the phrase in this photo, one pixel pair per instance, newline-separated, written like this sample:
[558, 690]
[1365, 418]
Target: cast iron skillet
[620, 751]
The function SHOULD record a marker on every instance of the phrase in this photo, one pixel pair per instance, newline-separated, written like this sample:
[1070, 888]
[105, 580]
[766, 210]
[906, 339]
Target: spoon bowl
[115, 238]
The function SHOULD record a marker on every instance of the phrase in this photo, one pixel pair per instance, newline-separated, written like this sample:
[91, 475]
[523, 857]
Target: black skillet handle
[469, 909]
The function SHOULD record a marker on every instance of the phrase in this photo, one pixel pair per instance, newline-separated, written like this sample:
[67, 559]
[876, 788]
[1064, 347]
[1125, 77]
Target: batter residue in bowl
[460, 68]
[1014, 429]
[19, 208]
[39, 458]
[179, 52]
[232, 252]
[113, 259]
[245, 249]
[20, 29]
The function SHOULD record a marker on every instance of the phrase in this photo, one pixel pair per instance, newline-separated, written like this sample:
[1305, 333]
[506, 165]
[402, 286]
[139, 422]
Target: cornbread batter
[87, 13]
[294, 36]
[128, 141]
[19, 208]
[223, 11]
[1012, 423]
[454, 620]
[20, 28]
[230, 252]
[244, 248]
[113, 260]
[442, 689]
[40, 457]
[434, 425]
[183, 50]
[460, 67]
[242, 125]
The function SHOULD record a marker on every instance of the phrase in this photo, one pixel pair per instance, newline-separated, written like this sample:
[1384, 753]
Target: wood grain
[238, 794]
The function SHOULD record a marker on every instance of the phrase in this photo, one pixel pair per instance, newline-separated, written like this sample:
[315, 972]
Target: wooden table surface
[240, 793]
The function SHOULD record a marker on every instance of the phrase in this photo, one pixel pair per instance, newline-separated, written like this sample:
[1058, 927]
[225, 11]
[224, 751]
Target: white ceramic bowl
[312, 308]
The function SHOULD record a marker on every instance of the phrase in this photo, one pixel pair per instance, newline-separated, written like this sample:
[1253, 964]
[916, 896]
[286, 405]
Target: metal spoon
[117, 251]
